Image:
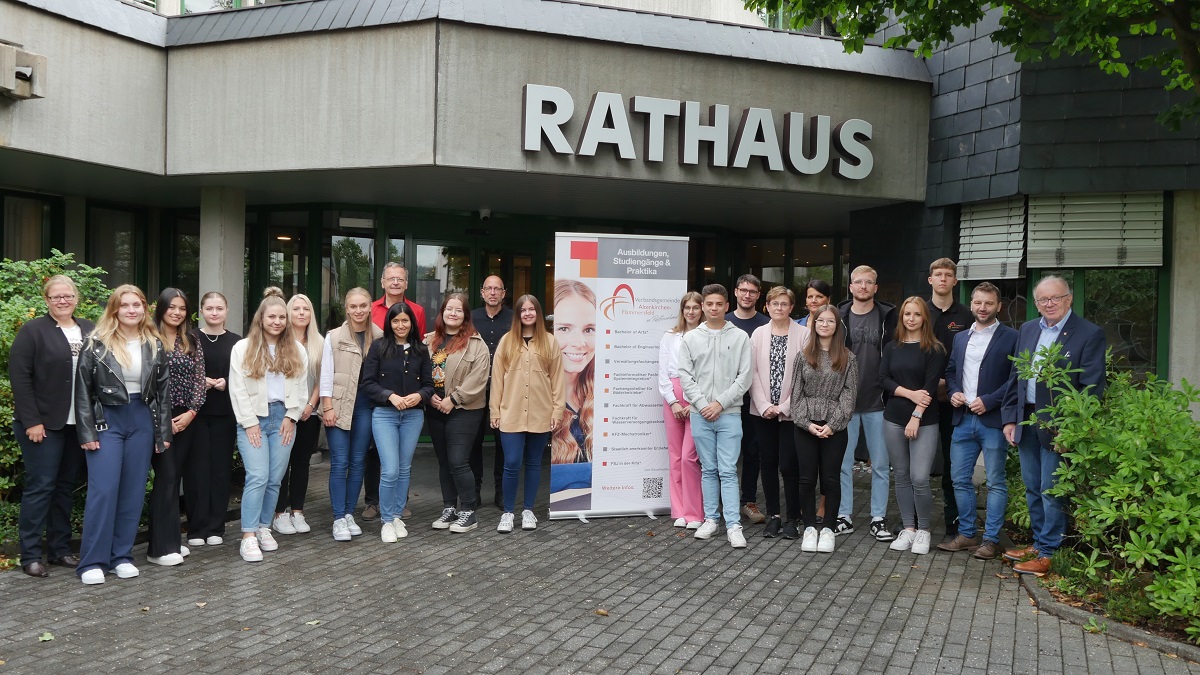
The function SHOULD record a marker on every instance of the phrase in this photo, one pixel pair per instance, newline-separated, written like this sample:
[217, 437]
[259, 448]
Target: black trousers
[777, 455]
[206, 475]
[819, 458]
[53, 469]
[294, 486]
[453, 438]
[750, 456]
[946, 432]
[164, 496]
[485, 425]
[371, 474]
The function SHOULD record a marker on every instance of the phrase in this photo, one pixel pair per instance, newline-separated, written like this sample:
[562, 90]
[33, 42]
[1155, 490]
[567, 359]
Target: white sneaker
[399, 528]
[694, 525]
[736, 538]
[506, 523]
[340, 531]
[388, 533]
[825, 543]
[920, 544]
[904, 541]
[528, 520]
[266, 541]
[808, 543]
[184, 551]
[283, 524]
[352, 526]
[250, 550]
[197, 541]
[92, 577]
[706, 530]
[681, 522]
[127, 571]
[300, 523]
[168, 560]
[214, 541]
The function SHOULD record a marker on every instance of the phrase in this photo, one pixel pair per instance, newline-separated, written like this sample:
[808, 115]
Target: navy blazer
[995, 372]
[1083, 346]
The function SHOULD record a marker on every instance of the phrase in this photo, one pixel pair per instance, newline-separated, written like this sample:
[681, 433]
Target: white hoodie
[714, 365]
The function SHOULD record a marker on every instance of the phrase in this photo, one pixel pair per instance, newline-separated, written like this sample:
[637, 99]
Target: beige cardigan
[249, 396]
[467, 372]
[760, 368]
[529, 392]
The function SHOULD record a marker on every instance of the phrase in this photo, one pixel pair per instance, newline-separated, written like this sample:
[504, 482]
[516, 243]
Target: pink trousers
[687, 502]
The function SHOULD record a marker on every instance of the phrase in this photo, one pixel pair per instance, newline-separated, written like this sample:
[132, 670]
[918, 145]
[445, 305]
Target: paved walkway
[526, 602]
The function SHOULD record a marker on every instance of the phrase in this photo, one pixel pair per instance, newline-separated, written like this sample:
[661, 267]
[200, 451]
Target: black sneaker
[790, 531]
[880, 531]
[774, 525]
[465, 523]
[448, 516]
[843, 526]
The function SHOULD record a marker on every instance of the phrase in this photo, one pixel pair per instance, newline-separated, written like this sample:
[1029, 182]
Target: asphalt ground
[612, 595]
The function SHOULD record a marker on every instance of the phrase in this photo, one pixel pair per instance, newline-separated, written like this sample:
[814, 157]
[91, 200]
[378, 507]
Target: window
[185, 252]
[24, 222]
[765, 259]
[113, 244]
[288, 264]
[347, 260]
[440, 269]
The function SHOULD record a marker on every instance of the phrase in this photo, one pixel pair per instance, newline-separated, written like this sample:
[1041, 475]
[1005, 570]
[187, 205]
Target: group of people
[787, 398]
[790, 398]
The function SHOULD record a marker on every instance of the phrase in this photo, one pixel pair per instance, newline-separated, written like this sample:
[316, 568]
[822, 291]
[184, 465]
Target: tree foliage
[1032, 30]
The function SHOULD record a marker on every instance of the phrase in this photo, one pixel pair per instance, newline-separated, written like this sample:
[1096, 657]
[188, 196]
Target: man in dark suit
[1083, 346]
[977, 379]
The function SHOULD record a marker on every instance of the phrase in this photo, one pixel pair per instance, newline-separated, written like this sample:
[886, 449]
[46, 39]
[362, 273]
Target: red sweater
[379, 312]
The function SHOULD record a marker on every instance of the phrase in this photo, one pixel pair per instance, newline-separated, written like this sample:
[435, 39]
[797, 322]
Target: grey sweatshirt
[714, 365]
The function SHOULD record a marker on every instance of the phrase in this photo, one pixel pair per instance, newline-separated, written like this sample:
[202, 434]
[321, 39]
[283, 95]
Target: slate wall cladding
[975, 119]
[899, 242]
[1085, 131]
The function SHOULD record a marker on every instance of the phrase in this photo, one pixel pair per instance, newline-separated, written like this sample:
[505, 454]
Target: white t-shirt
[276, 383]
[133, 374]
[74, 336]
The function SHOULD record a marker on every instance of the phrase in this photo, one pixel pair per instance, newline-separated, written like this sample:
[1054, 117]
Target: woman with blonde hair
[824, 387]
[687, 501]
[123, 416]
[207, 471]
[294, 485]
[461, 363]
[527, 404]
[185, 361]
[41, 364]
[912, 365]
[268, 387]
[575, 330]
[346, 409]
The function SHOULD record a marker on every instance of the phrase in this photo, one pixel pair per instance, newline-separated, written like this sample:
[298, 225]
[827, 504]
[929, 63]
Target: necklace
[212, 338]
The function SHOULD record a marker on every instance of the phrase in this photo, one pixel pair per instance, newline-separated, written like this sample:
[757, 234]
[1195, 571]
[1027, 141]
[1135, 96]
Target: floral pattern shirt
[187, 374]
[778, 361]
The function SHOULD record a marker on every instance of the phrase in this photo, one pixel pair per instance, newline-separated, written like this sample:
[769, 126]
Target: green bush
[21, 300]
[1129, 480]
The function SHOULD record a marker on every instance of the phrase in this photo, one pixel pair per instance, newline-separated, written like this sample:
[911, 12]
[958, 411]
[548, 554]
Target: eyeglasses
[862, 282]
[493, 289]
[779, 305]
[748, 291]
[452, 311]
[1052, 300]
[826, 322]
[60, 298]
[395, 280]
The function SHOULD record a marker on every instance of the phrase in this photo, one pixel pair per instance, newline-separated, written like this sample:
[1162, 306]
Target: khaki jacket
[467, 372]
[347, 362]
[529, 392]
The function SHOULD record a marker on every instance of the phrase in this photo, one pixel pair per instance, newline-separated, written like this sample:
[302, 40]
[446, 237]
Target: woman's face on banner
[575, 329]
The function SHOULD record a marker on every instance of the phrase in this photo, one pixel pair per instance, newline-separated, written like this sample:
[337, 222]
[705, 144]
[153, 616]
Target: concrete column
[1185, 290]
[223, 248]
[75, 220]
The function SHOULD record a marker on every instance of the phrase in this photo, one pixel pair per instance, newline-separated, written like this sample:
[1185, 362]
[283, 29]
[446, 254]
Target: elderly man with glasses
[1083, 346]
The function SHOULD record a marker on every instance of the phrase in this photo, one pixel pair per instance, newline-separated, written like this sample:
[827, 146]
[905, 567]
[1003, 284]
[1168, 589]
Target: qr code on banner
[652, 488]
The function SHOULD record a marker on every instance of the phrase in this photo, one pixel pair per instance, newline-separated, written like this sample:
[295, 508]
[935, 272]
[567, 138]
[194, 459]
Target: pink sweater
[760, 368]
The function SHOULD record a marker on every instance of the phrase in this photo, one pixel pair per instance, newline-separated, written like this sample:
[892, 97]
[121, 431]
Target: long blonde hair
[313, 342]
[564, 449]
[690, 296]
[542, 343]
[928, 342]
[258, 360]
[107, 326]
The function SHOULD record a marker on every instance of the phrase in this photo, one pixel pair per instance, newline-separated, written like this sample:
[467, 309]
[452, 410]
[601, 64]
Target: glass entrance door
[441, 268]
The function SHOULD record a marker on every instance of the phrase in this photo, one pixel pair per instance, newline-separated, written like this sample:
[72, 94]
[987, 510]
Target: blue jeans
[265, 466]
[1046, 516]
[970, 438]
[881, 468]
[117, 474]
[52, 472]
[396, 434]
[522, 446]
[718, 445]
[347, 458]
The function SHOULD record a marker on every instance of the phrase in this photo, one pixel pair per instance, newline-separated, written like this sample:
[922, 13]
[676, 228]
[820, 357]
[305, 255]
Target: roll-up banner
[614, 297]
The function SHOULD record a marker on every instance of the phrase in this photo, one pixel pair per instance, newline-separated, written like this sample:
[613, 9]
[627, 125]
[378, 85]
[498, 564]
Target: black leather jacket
[99, 382]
